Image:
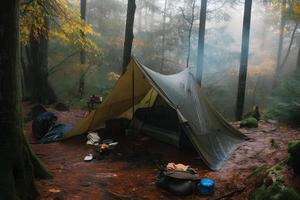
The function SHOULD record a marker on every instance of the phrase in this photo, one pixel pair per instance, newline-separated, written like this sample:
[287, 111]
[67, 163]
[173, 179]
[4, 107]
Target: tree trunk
[163, 37]
[280, 42]
[41, 90]
[298, 60]
[128, 34]
[28, 77]
[140, 18]
[81, 88]
[191, 23]
[200, 54]
[18, 166]
[244, 60]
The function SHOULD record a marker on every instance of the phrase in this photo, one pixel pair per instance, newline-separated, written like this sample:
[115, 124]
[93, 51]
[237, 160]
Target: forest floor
[129, 171]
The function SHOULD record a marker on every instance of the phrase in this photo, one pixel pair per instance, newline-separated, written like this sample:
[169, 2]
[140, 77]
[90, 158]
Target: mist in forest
[161, 43]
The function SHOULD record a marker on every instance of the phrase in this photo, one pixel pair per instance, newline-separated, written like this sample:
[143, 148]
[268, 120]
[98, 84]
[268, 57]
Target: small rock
[85, 183]
[269, 130]
[271, 121]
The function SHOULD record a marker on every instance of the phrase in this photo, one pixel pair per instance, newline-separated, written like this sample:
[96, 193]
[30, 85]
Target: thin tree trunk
[298, 60]
[281, 33]
[244, 60]
[152, 14]
[280, 43]
[200, 54]
[140, 18]
[163, 37]
[81, 88]
[24, 73]
[288, 50]
[191, 23]
[18, 166]
[83, 17]
[128, 34]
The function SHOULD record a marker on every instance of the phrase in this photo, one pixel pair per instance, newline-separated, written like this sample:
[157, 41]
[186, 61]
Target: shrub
[249, 122]
[275, 191]
[284, 104]
[294, 155]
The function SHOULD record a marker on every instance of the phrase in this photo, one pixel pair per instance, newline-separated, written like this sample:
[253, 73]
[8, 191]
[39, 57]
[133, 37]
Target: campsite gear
[55, 133]
[112, 145]
[93, 138]
[88, 157]
[103, 149]
[94, 99]
[42, 124]
[206, 186]
[107, 141]
[178, 167]
[176, 182]
[139, 87]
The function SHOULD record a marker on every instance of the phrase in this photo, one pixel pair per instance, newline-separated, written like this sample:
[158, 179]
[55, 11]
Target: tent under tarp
[139, 87]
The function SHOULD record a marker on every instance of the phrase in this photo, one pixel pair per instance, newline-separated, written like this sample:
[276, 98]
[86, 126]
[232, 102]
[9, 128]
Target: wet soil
[129, 171]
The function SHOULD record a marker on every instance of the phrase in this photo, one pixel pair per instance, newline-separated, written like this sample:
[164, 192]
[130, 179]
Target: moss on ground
[249, 122]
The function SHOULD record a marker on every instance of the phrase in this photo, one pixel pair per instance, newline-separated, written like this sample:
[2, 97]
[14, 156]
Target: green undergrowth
[294, 156]
[249, 122]
[284, 104]
[272, 186]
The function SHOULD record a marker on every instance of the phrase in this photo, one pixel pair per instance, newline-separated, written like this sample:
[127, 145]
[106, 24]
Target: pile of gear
[183, 180]
[102, 148]
[45, 127]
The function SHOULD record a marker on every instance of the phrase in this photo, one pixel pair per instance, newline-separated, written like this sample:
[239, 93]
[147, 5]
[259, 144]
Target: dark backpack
[42, 124]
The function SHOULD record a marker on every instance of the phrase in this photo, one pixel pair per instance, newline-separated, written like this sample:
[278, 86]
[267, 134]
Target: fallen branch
[231, 194]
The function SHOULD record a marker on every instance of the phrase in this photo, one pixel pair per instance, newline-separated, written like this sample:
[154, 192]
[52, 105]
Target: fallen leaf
[53, 190]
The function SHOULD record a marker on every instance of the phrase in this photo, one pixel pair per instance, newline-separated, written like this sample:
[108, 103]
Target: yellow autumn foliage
[64, 20]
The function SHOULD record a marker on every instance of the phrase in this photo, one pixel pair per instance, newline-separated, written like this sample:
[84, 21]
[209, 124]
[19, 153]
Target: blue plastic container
[206, 186]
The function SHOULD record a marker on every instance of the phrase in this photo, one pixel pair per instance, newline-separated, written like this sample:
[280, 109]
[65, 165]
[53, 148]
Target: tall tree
[201, 36]
[128, 33]
[280, 42]
[66, 26]
[18, 166]
[42, 92]
[190, 20]
[82, 52]
[244, 60]
[163, 37]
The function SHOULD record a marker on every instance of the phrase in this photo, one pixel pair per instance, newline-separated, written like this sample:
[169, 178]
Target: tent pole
[133, 95]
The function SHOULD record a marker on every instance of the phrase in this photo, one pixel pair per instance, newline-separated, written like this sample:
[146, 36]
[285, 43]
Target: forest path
[129, 172]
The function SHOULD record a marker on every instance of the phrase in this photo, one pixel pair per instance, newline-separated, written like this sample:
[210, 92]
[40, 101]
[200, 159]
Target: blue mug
[206, 186]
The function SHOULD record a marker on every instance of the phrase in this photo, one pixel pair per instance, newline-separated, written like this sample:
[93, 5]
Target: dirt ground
[129, 171]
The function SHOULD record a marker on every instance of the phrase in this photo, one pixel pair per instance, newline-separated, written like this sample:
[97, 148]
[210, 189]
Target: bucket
[206, 186]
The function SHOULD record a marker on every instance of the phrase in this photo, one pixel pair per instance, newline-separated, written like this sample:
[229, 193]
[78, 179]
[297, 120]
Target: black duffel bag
[179, 183]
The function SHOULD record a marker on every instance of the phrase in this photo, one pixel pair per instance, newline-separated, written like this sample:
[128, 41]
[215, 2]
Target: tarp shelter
[139, 87]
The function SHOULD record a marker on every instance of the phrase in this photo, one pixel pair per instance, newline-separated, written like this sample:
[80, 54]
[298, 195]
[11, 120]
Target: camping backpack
[42, 124]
